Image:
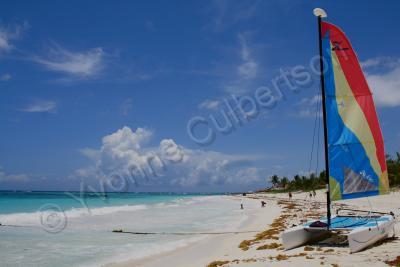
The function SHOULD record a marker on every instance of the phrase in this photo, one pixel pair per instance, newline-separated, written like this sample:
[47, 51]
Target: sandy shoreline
[264, 248]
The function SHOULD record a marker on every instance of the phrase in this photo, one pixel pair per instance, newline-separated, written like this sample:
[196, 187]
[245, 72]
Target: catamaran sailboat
[355, 160]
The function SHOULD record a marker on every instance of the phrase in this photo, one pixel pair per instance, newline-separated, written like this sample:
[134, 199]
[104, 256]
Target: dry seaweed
[217, 263]
[270, 246]
[395, 262]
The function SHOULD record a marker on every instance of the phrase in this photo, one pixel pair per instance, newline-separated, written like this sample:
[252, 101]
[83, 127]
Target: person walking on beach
[290, 195]
[314, 193]
[263, 203]
[241, 206]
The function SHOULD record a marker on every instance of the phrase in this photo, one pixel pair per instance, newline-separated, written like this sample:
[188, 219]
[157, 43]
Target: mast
[320, 13]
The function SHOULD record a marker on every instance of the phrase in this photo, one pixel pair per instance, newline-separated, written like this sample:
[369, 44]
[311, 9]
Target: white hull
[359, 238]
[363, 237]
[301, 235]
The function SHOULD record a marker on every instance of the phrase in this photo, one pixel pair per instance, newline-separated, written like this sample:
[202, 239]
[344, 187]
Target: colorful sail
[357, 163]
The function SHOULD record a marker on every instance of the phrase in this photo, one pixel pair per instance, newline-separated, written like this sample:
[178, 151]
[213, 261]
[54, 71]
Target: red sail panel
[358, 84]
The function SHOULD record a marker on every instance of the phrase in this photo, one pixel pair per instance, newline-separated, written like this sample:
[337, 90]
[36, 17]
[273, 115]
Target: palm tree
[274, 180]
[284, 182]
[297, 181]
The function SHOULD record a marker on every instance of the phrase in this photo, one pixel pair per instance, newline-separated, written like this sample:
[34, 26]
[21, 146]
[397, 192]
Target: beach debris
[245, 245]
[282, 257]
[217, 263]
[273, 245]
[249, 260]
[395, 262]
[276, 227]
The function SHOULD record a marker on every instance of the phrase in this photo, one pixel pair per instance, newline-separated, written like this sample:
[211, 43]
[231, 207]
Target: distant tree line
[313, 181]
[393, 165]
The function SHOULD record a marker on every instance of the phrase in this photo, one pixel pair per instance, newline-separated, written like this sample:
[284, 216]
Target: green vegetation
[305, 183]
[393, 166]
[313, 182]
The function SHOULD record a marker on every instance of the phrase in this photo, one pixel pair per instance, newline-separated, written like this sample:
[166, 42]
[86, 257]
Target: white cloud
[41, 106]
[209, 104]
[370, 62]
[90, 153]
[248, 68]
[5, 77]
[4, 41]
[310, 100]
[5, 177]
[228, 13]
[83, 64]
[307, 107]
[9, 34]
[379, 62]
[125, 152]
[383, 76]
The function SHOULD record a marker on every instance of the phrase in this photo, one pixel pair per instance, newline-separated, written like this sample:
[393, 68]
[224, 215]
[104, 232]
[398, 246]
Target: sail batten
[357, 163]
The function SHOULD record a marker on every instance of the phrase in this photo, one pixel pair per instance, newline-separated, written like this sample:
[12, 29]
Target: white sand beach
[264, 248]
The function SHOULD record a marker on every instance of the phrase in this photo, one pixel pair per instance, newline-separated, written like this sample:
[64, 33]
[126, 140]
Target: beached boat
[355, 160]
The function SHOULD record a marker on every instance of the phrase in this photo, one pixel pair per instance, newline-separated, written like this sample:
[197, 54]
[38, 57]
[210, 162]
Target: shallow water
[58, 230]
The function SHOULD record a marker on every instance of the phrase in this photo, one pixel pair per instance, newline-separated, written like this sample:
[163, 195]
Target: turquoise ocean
[75, 229]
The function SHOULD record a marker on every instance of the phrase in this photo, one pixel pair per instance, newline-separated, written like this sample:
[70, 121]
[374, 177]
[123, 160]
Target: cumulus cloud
[209, 104]
[82, 64]
[127, 154]
[6, 177]
[40, 106]
[383, 76]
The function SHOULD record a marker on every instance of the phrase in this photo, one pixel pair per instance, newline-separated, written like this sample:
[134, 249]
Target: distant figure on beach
[314, 193]
[241, 206]
[290, 195]
[263, 203]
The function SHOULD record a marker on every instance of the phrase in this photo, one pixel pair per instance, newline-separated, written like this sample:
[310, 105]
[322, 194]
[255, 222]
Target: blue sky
[88, 90]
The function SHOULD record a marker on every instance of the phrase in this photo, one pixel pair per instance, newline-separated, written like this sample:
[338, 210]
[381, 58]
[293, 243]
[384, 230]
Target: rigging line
[319, 131]
[22, 226]
[313, 139]
[185, 233]
[370, 206]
